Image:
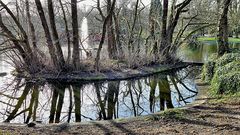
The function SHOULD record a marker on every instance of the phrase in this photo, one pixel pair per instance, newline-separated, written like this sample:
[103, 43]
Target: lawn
[233, 40]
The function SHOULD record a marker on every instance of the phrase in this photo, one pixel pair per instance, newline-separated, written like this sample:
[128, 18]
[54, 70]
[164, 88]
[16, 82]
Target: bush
[208, 68]
[224, 73]
[226, 83]
[227, 58]
[228, 68]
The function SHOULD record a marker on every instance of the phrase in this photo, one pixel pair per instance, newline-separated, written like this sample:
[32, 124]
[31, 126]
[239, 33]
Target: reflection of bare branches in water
[15, 113]
[184, 78]
[57, 102]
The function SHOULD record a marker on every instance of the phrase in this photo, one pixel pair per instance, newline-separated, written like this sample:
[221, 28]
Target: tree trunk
[31, 26]
[100, 102]
[112, 49]
[164, 26]
[168, 29]
[118, 40]
[67, 32]
[47, 34]
[104, 30]
[223, 46]
[61, 91]
[154, 17]
[55, 34]
[75, 55]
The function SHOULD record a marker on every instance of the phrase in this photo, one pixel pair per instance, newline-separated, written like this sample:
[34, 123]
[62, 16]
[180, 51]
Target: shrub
[227, 58]
[208, 68]
[226, 79]
[226, 83]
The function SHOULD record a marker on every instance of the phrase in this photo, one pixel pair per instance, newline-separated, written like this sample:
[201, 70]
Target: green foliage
[208, 68]
[228, 68]
[231, 98]
[168, 114]
[232, 40]
[227, 58]
[226, 78]
[223, 73]
[225, 84]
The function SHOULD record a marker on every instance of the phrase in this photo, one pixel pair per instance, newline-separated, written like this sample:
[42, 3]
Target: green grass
[175, 113]
[233, 40]
[225, 98]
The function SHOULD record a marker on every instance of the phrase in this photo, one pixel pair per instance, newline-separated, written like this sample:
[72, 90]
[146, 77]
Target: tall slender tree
[55, 34]
[75, 55]
[48, 37]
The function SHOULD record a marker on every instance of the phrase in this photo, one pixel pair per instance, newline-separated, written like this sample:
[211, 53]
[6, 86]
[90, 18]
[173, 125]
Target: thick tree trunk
[53, 105]
[47, 34]
[100, 102]
[223, 46]
[112, 48]
[104, 30]
[67, 32]
[168, 29]
[164, 41]
[130, 40]
[121, 54]
[31, 26]
[154, 17]
[55, 34]
[75, 55]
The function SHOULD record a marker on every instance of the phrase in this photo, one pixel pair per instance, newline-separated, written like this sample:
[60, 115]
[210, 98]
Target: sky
[87, 2]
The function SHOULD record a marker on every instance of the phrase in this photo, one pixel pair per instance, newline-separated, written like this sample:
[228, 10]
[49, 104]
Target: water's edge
[201, 98]
[120, 75]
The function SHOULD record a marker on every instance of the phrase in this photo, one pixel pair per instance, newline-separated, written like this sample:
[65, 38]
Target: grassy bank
[232, 40]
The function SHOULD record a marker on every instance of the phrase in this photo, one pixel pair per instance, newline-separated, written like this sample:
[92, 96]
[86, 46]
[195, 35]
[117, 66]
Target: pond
[27, 100]
[201, 51]
[23, 101]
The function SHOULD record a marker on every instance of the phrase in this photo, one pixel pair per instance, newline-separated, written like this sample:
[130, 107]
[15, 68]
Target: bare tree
[48, 37]
[66, 30]
[104, 30]
[169, 27]
[55, 34]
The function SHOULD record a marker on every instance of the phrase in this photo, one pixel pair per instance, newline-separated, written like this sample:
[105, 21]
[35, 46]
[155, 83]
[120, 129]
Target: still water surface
[23, 101]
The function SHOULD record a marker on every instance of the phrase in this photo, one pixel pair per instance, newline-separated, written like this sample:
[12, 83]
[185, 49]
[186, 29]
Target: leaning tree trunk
[75, 55]
[67, 31]
[31, 26]
[104, 30]
[55, 34]
[47, 34]
[223, 30]
[23, 47]
[168, 28]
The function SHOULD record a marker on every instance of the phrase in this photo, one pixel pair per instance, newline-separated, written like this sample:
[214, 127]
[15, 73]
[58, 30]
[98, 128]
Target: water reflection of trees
[107, 100]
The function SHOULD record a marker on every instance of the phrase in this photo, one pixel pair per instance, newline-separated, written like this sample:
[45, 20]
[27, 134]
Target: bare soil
[204, 117]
